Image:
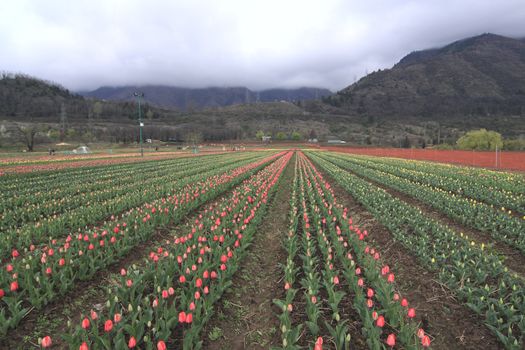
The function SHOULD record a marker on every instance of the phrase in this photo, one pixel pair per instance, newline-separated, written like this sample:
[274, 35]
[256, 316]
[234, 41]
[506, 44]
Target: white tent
[82, 150]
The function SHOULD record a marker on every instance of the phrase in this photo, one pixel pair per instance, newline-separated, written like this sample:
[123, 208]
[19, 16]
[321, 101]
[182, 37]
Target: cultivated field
[260, 249]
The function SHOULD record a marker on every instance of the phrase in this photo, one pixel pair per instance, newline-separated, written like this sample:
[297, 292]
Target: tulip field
[149, 254]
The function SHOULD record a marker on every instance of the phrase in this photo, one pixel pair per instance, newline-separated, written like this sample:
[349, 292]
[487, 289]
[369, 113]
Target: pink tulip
[14, 286]
[425, 341]
[108, 326]
[132, 342]
[46, 342]
[85, 323]
[391, 340]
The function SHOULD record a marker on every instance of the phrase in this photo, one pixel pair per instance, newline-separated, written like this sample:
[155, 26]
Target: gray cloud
[259, 44]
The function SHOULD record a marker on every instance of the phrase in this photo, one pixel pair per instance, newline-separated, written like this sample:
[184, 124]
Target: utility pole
[138, 95]
[63, 122]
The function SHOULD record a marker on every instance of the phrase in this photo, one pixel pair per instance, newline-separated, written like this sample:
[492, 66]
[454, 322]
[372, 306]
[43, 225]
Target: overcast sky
[258, 44]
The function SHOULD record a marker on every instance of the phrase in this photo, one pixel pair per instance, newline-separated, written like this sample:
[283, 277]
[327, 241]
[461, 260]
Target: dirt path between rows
[246, 317]
[451, 324]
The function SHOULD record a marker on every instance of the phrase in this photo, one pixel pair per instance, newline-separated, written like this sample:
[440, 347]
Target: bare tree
[27, 133]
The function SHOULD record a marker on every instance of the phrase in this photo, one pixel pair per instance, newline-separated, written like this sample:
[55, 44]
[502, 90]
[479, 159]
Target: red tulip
[336, 280]
[129, 283]
[198, 283]
[15, 253]
[182, 317]
[182, 279]
[213, 275]
[223, 267]
[161, 345]
[116, 229]
[411, 313]
[314, 299]
[132, 342]
[391, 278]
[165, 294]
[14, 286]
[425, 341]
[62, 262]
[189, 318]
[123, 272]
[9, 268]
[108, 326]
[369, 303]
[85, 323]
[360, 282]
[370, 293]
[380, 321]
[46, 342]
[48, 271]
[374, 315]
[83, 346]
[391, 340]
[117, 317]
[404, 302]
[2, 293]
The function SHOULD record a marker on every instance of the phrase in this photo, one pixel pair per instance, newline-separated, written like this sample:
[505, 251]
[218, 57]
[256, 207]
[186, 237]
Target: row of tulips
[386, 317]
[327, 282]
[462, 185]
[23, 184]
[499, 224]
[43, 274]
[145, 188]
[291, 333]
[47, 166]
[475, 273]
[165, 302]
[15, 184]
[507, 182]
[42, 202]
[41, 187]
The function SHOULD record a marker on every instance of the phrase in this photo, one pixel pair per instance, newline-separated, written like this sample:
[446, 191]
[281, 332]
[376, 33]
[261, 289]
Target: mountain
[25, 97]
[482, 76]
[188, 99]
